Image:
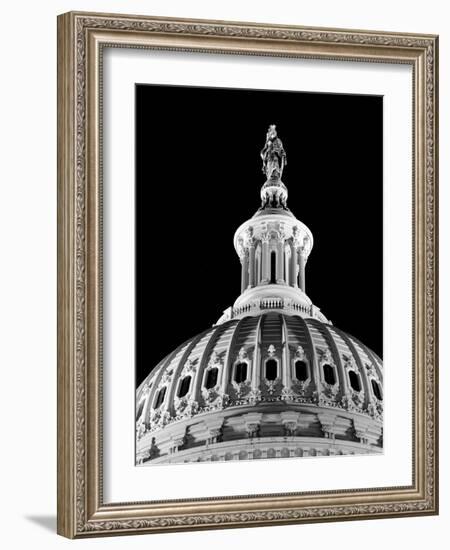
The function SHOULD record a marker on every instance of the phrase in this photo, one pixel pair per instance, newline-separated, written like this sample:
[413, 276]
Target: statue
[273, 155]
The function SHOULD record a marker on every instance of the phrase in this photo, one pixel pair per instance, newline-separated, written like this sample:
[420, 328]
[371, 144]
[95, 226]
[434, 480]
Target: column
[287, 271]
[365, 383]
[280, 261]
[285, 359]
[146, 408]
[256, 363]
[244, 275]
[265, 259]
[257, 265]
[301, 263]
[252, 264]
[293, 265]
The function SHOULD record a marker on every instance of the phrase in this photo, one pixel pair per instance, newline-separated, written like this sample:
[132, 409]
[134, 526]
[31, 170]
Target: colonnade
[272, 261]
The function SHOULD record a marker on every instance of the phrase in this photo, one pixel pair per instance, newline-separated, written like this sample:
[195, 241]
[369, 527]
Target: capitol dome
[273, 378]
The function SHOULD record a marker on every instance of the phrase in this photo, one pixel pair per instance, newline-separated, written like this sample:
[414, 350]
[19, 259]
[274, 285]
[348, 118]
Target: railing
[272, 303]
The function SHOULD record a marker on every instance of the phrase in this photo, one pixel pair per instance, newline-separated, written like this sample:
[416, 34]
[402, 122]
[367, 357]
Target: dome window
[184, 386]
[354, 380]
[211, 378]
[160, 398]
[240, 373]
[301, 370]
[271, 453]
[376, 390]
[328, 374]
[271, 369]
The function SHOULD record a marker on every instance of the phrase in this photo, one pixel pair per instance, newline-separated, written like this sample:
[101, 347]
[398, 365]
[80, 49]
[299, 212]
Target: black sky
[198, 177]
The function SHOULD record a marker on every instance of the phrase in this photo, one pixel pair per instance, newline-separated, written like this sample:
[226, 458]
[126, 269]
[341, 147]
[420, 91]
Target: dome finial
[273, 192]
[273, 155]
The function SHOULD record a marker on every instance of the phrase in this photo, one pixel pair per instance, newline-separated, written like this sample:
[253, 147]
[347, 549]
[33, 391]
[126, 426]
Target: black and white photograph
[259, 274]
[223, 237]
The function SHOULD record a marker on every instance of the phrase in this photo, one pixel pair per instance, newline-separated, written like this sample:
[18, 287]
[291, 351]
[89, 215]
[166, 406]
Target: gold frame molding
[81, 510]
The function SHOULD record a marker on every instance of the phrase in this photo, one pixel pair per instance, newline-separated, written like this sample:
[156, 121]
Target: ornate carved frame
[81, 37]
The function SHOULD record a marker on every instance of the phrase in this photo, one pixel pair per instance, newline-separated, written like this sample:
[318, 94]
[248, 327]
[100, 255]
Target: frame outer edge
[77, 493]
[436, 266]
[65, 279]
[434, 328]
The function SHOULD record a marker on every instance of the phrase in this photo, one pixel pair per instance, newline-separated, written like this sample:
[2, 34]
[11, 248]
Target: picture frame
[83, 39]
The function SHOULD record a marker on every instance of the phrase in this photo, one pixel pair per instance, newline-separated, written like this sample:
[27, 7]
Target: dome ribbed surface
[226, 341]
[264, 367]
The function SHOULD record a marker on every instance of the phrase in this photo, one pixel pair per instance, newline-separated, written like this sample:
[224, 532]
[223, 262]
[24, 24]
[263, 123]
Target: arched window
[160, 398]
[376, 389]
[184, 386]
[271, 369]
[140, 409]
[354, 380]
[328, 374]
[273, 267]
[211, 378]
[240, 373]
[301, 370]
